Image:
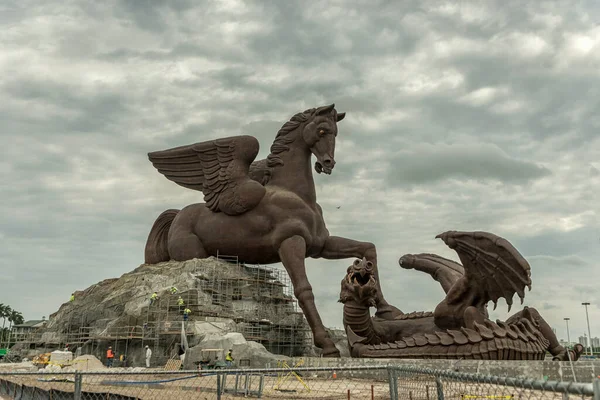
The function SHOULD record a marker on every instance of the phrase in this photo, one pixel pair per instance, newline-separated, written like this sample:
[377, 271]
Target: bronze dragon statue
[459, 327]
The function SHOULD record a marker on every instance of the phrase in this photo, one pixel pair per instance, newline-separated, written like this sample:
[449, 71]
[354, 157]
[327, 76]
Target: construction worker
[153, 298]
[229, 359]
[180, 303]
[186, 313]
[148, 356]
[110, 355]
[173, 290]
[72, 299]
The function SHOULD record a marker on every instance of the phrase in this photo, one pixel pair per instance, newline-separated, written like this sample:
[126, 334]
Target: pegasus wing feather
[218, 168]
[180, 165]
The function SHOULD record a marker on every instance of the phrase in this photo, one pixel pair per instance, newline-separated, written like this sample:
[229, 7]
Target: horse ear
[340, 116]
[325, 109]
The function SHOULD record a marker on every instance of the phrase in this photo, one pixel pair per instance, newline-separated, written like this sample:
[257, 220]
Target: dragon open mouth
[358, 278]
[360, 284]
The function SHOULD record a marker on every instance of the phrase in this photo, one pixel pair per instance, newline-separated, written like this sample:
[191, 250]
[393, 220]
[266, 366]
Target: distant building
[584, 341]
[21, 331]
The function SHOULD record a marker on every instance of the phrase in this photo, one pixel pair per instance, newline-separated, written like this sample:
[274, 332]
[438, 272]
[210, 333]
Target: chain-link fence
[289, 383]
[425, 384]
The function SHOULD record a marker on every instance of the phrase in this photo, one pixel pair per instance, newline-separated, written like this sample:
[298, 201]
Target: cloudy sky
[466, 116]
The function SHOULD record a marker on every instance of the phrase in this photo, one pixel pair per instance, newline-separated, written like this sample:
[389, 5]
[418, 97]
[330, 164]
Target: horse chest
[317, 231]
[291, 215]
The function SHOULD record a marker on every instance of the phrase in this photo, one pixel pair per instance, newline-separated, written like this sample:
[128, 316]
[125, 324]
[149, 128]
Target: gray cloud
[422, 164]
[465, 116]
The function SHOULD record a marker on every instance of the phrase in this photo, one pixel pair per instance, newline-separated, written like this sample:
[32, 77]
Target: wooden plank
[173, 365]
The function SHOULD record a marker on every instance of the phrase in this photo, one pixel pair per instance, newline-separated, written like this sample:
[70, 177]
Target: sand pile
[26, 366]
[85, 363]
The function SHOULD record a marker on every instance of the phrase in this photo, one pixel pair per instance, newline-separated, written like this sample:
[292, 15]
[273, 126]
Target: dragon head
[359, 283]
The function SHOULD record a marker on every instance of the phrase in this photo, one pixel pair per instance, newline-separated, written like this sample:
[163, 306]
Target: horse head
[319, 135]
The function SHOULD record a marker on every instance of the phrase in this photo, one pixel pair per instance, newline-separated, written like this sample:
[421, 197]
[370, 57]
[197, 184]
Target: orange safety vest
[110, 354]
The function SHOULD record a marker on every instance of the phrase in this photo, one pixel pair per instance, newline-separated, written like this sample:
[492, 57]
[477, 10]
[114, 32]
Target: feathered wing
[493, 268]
[218, 168]
[441, 269]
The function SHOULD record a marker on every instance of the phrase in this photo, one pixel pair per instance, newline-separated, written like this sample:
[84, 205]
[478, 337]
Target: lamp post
[585, 304]
[568, 334]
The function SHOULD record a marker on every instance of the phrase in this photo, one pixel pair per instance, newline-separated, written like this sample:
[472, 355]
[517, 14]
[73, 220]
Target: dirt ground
[205, 387]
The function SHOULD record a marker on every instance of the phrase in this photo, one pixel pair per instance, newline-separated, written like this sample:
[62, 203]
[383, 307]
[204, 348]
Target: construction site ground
[204, 387]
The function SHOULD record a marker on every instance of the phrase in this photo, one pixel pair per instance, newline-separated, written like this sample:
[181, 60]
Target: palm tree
[15, 318]
[4, 313]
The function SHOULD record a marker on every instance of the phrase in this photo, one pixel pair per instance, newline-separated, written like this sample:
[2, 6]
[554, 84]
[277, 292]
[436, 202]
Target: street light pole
[585, 304]
[568, 334]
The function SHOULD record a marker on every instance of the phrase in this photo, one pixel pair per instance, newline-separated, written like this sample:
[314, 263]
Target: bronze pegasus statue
[459, 327]
[262, 211]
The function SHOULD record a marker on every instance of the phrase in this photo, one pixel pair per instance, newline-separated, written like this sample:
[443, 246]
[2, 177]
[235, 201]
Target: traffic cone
[334, 375]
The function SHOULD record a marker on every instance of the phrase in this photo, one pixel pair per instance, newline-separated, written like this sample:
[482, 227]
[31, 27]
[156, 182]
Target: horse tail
[157, 249]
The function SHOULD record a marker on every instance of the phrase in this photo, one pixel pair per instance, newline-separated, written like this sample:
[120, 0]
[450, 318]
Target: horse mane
[282, 140]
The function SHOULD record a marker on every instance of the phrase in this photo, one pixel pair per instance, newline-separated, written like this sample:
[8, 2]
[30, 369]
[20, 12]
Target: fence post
[260, 385]
[393, 383]
[597, 389]
[218, 386]
[77, 389]
[440, 388]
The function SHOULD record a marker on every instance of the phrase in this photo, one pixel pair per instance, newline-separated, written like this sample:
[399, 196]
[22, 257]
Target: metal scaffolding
[257, 298]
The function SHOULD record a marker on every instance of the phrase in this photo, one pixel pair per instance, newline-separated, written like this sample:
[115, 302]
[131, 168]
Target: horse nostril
[328, 162]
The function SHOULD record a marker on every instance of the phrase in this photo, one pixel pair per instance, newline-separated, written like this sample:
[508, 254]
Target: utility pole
[585, 304]
[568, 334]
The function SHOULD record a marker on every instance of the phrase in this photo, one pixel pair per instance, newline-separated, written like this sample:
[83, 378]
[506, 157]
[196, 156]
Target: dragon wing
[442, 270]
[493, 267]
[218, 168]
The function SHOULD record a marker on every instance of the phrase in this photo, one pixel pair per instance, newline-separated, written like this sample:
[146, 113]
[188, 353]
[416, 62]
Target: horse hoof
[331, 351]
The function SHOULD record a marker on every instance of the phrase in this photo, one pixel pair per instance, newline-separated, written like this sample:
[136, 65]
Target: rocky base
[224, 299]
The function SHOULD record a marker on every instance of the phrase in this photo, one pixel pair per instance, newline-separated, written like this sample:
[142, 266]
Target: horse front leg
[292, 253]
[337, 248]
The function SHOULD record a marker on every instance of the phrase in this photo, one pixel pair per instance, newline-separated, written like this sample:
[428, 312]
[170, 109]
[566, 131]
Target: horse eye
[321, 132]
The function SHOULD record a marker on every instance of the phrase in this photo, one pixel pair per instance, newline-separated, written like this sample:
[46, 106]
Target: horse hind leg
[184, 247]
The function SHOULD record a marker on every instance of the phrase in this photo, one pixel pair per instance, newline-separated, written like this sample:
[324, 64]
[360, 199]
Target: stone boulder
[61, 357]
[256, 354]
[85, 363]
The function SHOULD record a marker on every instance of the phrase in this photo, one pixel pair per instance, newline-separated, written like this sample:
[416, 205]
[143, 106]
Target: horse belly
[247, 236]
